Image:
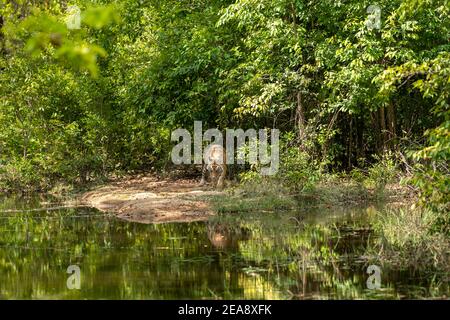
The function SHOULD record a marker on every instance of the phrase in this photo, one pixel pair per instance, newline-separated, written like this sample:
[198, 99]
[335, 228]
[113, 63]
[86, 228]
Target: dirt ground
[148, 199]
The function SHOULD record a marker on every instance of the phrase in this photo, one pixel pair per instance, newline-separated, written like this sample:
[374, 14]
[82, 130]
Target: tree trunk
[391, 126]
[383, 129]
[300, 118]
[376, 126]
[360, 152]
[350, 144]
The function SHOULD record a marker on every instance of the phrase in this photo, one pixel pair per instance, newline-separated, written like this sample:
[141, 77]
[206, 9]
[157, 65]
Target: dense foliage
[77, 104]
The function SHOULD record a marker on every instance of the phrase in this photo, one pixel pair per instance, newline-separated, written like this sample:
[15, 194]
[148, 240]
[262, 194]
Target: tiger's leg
[223, 174]
[204, 170]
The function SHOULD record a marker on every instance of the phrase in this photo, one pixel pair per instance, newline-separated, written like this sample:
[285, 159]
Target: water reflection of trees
[310, 262]
[320, 258]
[265, 256]
[117, 259]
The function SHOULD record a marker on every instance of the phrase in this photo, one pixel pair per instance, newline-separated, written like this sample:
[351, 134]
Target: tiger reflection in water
[215, 165]
[225, 236]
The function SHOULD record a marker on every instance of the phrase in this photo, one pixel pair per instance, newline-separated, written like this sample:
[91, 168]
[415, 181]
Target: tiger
[215, 164]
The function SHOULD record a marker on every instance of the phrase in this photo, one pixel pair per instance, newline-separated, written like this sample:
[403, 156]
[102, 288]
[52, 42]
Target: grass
[407, 237]
[250, 197]
[269, 194]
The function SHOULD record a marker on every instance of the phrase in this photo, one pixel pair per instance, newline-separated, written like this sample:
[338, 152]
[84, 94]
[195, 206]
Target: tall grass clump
[408, 237]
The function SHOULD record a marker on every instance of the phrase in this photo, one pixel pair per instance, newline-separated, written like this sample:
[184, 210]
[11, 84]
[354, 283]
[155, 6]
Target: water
[307, 255]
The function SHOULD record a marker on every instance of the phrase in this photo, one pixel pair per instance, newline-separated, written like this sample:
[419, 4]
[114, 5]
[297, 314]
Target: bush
[298, 171]
[382, 172]
[21, 175]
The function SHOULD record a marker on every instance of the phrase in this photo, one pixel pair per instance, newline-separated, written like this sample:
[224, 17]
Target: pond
[318, 254]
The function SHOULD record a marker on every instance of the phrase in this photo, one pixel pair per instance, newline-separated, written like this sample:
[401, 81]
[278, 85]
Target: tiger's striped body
[215, 165]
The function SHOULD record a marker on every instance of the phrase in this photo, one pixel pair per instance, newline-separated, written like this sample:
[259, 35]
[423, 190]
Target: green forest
[361, 98]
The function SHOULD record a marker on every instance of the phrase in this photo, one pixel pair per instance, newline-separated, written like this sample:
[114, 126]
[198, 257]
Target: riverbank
[270, 195]
[152, 199]
[148, 199]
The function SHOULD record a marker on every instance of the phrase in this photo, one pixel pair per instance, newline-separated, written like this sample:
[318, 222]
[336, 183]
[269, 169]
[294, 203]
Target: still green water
[290, 255]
